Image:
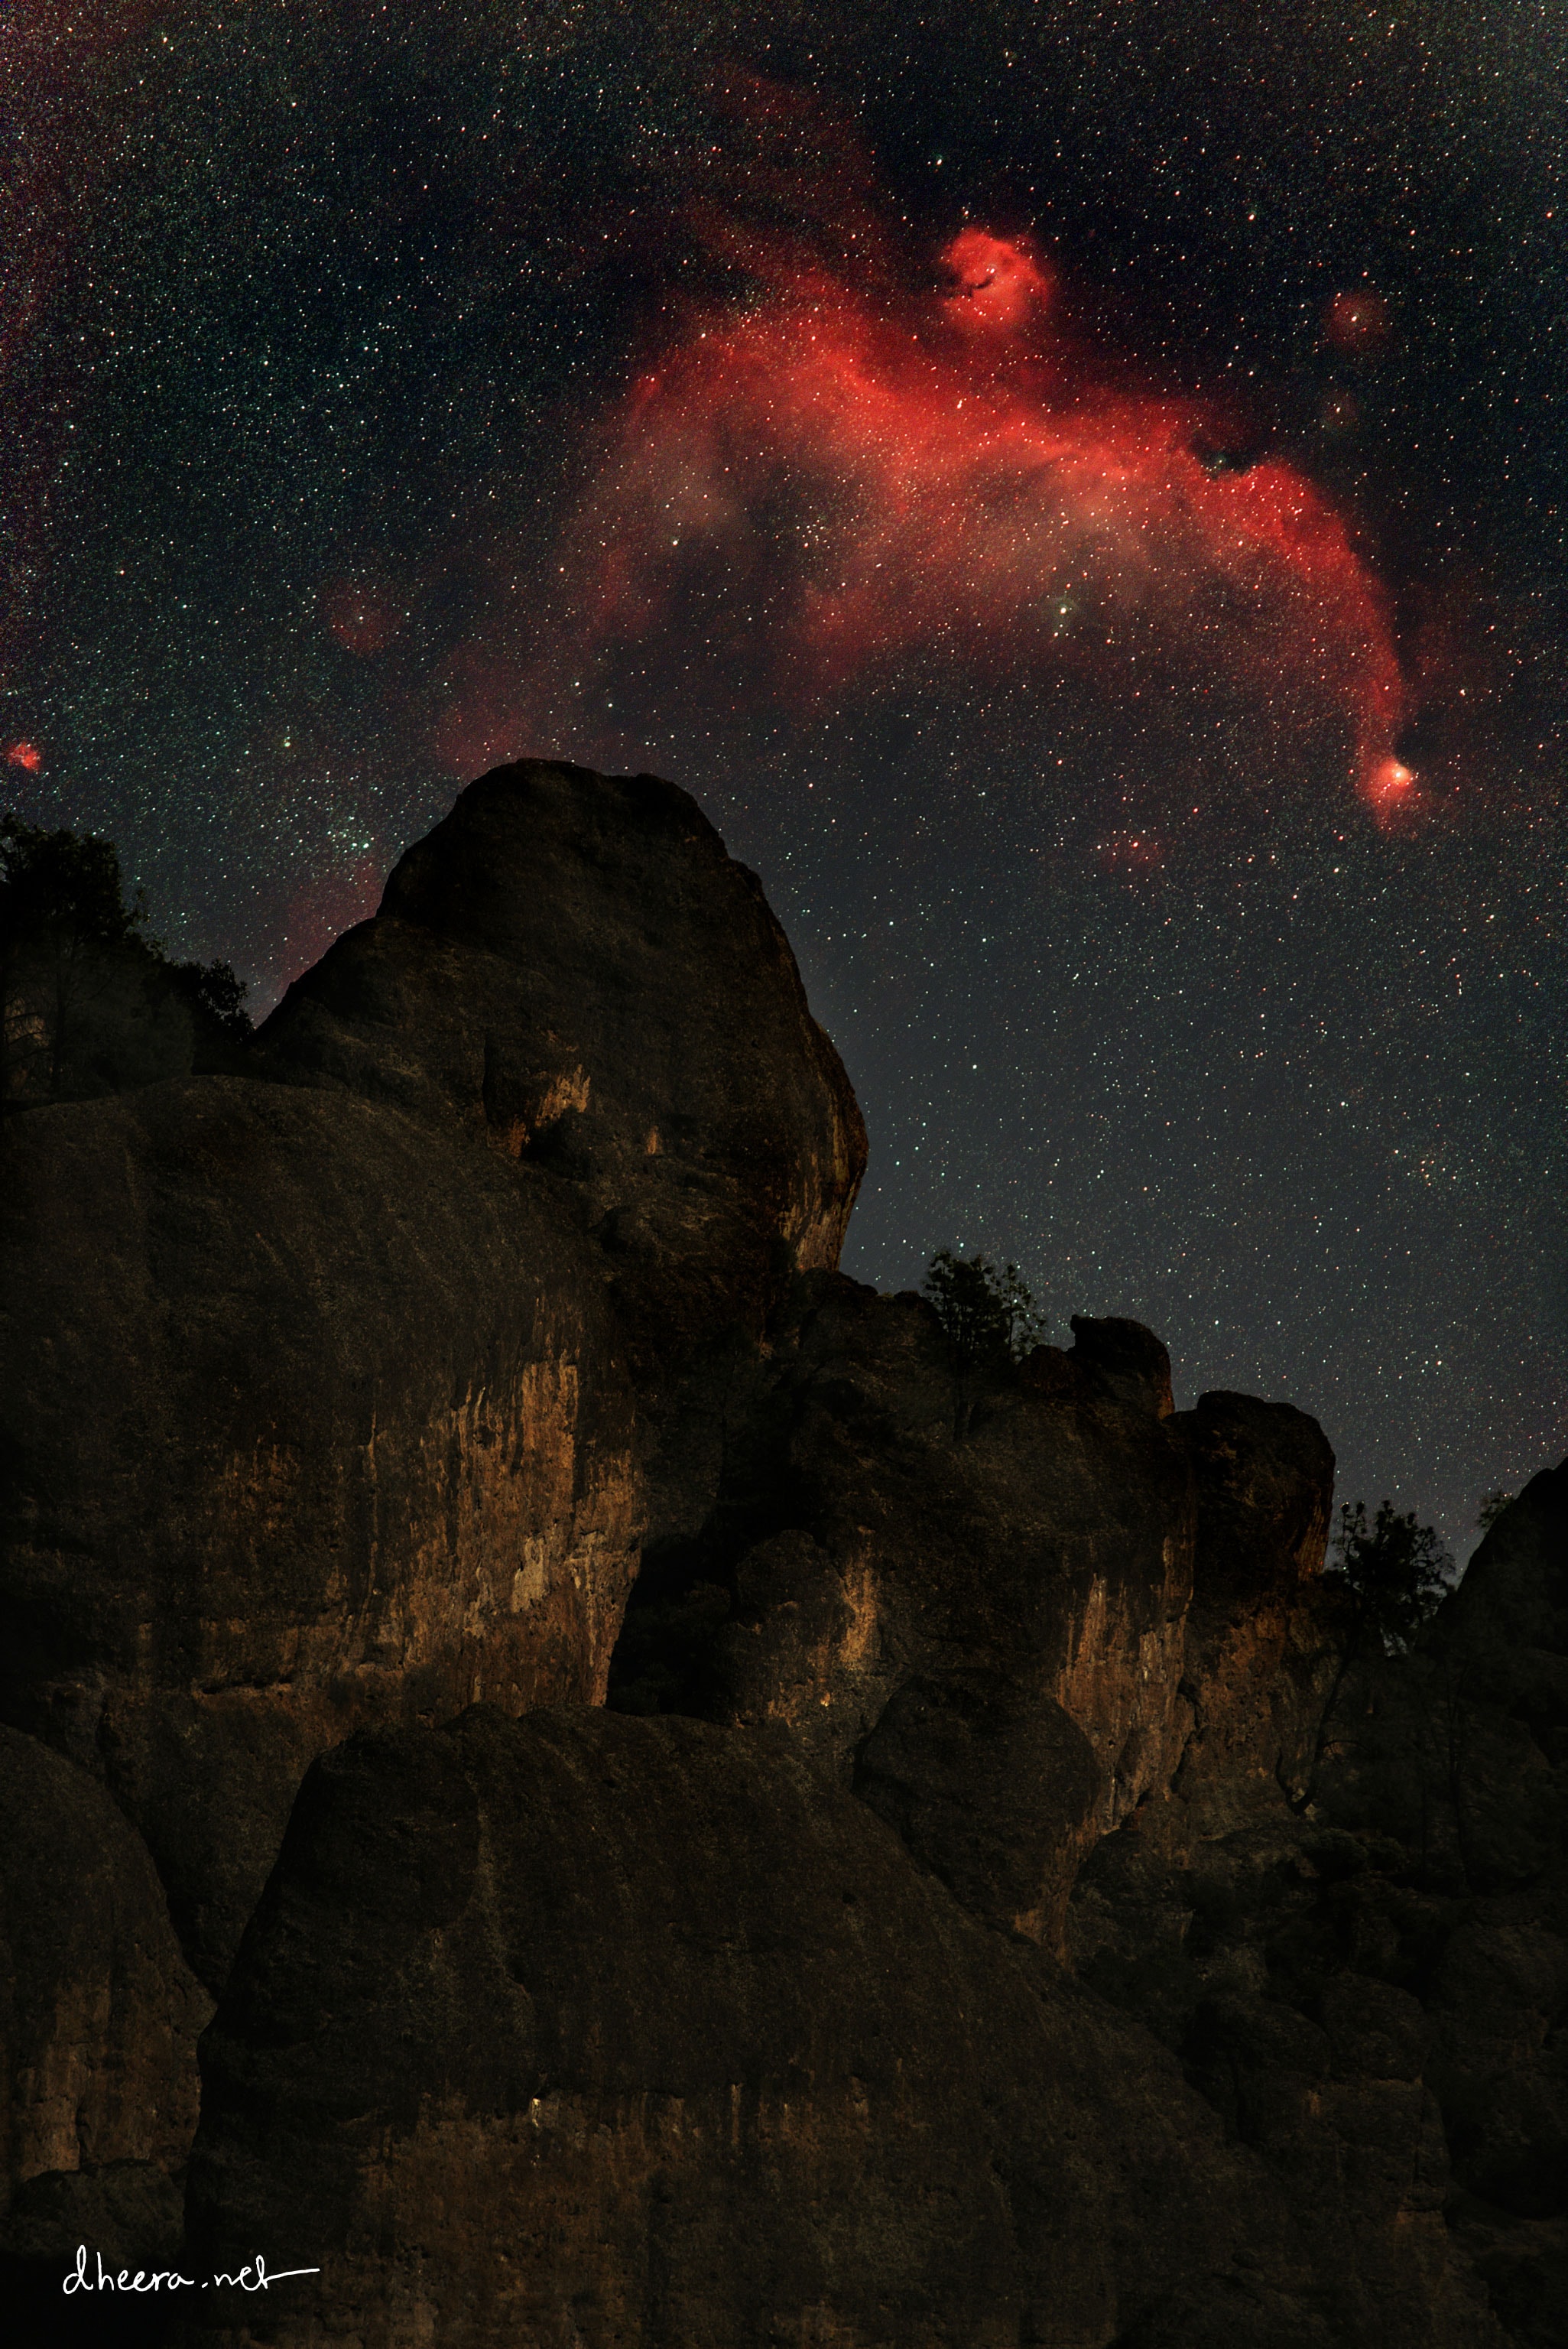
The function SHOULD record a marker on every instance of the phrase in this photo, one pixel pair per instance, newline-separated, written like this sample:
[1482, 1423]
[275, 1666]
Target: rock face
[1370, 1986]
[620, 2030]
[312, 1419]
[1259, 1641]
[99, 2018]
[1085, 1580]
[1458, 1763]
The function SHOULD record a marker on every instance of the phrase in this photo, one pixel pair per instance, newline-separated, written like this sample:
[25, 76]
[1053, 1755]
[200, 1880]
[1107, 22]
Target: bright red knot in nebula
[26, 755]
[804, 496]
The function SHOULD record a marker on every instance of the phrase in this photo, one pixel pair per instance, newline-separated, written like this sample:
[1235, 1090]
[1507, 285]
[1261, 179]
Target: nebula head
[999, 284]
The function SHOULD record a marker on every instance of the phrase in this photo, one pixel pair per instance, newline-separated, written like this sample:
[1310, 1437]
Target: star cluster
[1075, 489]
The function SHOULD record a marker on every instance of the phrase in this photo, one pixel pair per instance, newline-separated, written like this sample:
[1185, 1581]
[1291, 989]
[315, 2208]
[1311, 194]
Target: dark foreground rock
[990, 1913]
[98, 2019]
[1371, 1985]
[1458, 1764]
[581, 2030]
[99, 2011]
[1006, 1644]
[76, 2227]
[88, 1016]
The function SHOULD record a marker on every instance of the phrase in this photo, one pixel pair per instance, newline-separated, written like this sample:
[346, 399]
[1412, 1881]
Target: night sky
[1078, 492]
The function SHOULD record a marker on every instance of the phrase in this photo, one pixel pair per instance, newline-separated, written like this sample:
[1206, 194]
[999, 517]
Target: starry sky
[1076, 490]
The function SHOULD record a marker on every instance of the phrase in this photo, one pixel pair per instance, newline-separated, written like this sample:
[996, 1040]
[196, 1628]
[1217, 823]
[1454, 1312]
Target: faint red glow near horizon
[26, 755]
[844, 476]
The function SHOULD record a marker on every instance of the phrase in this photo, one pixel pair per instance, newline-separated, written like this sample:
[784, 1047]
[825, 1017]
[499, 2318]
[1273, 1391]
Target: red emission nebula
[808, 496]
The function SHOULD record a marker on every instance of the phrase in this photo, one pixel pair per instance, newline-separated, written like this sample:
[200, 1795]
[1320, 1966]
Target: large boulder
[982, 1633]
[1053, 1544]
[99, 2011]
[1367, 1974]
[587, 2030]
[1466, 1756]
[1262, 1632]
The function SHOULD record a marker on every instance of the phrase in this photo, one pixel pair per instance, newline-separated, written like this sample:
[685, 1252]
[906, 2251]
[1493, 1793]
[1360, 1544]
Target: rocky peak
[572, 968]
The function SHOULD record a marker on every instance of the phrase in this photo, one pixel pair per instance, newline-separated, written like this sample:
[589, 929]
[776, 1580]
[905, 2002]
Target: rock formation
[572, 971]
[316, 1382]
[313, 1417]
[99, 2018]
[751, 1852]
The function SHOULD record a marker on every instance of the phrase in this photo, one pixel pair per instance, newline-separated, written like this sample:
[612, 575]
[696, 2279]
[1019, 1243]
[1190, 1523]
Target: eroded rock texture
[1371, 1985]
[1094, 1630]
[1083, 1600]
[1452, 1773]
[99, 2011]
[99, 2018]
[313, 1418]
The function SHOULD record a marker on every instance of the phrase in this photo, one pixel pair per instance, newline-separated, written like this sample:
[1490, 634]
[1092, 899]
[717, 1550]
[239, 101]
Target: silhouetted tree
[213, 988]
[1492, 1507]
[1397, 1573]
[63, 918]
[61, 898]
[988, 1319]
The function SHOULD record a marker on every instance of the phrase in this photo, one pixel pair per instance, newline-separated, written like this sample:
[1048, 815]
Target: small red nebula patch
[26, 755]
[1357, 322]
[362, 618]
[1131, 852]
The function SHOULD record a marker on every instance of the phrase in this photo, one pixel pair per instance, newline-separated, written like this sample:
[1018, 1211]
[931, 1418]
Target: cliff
[685, 1850]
